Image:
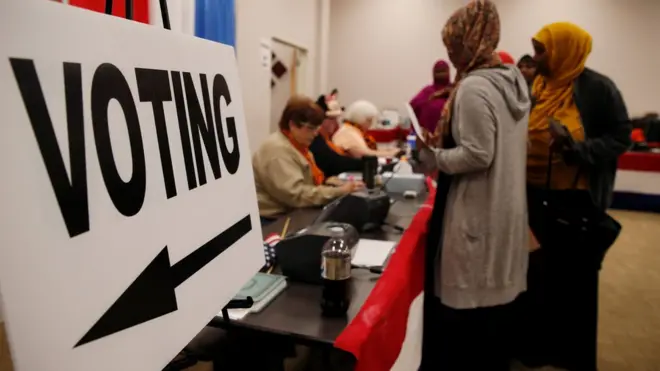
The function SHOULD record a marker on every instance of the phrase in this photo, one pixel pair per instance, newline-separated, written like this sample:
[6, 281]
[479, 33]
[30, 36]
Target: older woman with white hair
[352, 136]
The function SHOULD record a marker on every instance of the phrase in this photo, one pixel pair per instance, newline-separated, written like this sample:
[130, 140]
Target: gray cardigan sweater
[484, 250]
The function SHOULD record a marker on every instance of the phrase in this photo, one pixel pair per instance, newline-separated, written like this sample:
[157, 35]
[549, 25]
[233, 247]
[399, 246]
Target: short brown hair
[300, 110]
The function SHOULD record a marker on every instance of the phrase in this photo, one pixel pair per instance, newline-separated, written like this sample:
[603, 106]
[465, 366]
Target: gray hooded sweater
[485, 240]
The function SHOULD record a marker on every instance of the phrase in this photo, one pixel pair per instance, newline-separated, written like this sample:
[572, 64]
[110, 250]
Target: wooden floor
[629, 328]
[629, 322]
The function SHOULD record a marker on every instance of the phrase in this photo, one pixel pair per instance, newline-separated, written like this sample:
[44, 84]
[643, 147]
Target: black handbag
[572, 214]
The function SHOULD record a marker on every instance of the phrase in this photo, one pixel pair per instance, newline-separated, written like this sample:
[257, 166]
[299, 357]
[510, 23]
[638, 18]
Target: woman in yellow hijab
[563, 49]
[578, 127]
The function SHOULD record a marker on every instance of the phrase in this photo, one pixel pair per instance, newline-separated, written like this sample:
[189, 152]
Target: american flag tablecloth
[637, 185]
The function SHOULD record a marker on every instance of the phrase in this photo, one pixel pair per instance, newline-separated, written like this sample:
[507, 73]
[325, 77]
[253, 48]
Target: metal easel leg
[129, 9]
[165, 14]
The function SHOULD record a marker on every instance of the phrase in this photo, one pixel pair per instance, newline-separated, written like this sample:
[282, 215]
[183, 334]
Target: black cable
[129, 9]
[108, 7]
[165, 14]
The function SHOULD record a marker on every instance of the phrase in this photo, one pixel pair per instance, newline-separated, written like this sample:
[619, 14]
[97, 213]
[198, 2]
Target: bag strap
[577, 177]
[549, 172]
[548, 176]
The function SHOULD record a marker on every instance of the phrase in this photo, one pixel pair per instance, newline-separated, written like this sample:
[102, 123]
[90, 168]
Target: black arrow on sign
[152, 294]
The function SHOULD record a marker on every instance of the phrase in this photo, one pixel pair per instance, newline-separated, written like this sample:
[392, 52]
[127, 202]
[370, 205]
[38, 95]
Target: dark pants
[253, 351]
[460, 339]
[559, 312]
[474, 339]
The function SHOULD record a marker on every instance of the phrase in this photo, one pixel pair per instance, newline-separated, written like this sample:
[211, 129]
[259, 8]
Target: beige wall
[295, 21]
[383, 50]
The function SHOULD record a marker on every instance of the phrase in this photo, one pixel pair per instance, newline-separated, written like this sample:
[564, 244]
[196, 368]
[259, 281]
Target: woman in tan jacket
[285, 173]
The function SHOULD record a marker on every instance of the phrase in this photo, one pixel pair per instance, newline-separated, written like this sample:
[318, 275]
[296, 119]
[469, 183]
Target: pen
[286, 226]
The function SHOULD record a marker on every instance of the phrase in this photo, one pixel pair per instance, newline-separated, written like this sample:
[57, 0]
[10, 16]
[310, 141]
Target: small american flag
[269, 249]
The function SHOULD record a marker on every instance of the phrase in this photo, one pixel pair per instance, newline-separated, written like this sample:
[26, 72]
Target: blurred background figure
[330, 158]
[506, 58]
[334, 95]
[527, 66]
[353, 138]
[430, 101]
[332, 100]
[285, 172]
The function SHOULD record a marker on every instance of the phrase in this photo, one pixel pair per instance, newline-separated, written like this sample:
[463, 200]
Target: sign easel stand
[187, 359]
[236, 304]
[164, 13]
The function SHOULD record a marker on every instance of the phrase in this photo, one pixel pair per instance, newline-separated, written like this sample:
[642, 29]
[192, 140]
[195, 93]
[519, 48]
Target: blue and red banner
[213, 19]
[140, 8]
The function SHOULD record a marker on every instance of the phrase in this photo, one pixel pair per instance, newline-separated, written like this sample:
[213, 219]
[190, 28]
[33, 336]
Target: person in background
[651, 124]
[583, 153]
[527, 66]
[480, 210]
[353, 138]
[285, 172]
[506, 58]
[332, 99]
[333, 96]
[331, 159]
[430, 101]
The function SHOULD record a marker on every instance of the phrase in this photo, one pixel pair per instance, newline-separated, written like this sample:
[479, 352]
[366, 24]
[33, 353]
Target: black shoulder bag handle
[571, 215]
[549, 174]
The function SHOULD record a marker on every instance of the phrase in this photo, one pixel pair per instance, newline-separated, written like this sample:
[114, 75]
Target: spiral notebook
[259, 286]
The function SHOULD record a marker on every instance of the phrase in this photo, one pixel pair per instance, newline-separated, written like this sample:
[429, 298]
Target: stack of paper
[372, 253]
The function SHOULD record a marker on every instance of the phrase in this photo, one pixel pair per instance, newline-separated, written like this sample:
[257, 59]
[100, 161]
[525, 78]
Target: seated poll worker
[285, 172]
[352, 136]
[331, 159]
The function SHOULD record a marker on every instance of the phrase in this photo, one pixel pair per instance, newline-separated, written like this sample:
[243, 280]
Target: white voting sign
[129, 213]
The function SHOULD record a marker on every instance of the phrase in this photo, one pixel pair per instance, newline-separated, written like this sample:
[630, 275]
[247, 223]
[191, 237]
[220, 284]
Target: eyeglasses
[309, 127]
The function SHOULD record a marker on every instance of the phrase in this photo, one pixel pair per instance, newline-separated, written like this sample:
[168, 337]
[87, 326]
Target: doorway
[288, 78]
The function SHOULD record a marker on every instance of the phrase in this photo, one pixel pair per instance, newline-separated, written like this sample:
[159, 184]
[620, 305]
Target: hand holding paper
[419, 131]
[425, 139]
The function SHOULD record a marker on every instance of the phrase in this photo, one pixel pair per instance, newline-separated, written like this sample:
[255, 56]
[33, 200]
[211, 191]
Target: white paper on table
[237, 313]
[372, 253]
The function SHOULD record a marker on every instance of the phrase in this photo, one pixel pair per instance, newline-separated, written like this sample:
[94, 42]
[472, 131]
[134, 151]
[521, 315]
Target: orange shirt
[368, 139]
[328, 141]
